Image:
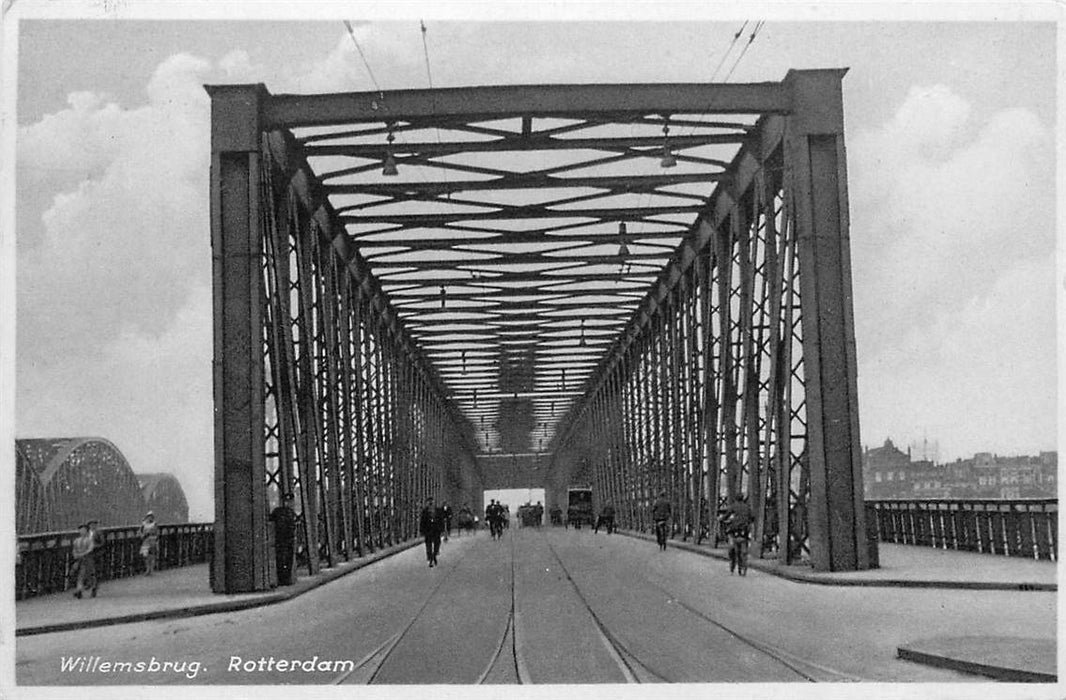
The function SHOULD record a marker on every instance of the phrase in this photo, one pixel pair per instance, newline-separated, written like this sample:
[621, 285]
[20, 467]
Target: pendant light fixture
[668, 161]
[389, 168]
[623, 247]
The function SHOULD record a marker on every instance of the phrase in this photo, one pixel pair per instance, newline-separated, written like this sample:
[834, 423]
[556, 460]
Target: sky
[950, 155]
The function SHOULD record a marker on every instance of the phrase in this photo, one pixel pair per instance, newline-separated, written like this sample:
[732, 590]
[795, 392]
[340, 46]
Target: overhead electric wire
[425, 50]
[721, 62]
[747, 46]
[370, 72]
[728, 50]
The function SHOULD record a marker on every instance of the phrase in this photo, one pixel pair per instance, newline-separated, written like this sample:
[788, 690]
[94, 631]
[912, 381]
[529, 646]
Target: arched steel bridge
[639, 288]
[63, 482]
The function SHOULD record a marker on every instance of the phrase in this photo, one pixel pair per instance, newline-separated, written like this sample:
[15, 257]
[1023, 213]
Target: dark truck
[579, 507]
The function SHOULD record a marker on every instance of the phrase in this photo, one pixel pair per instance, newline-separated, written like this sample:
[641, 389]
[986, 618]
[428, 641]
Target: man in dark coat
[660, 513]
[284, 519]
[430, 525]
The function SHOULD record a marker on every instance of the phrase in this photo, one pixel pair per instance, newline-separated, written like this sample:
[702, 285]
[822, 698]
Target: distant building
[884, 471]
[888, 472]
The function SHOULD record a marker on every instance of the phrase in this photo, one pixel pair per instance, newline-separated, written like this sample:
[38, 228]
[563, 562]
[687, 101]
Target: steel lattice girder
[779, 399]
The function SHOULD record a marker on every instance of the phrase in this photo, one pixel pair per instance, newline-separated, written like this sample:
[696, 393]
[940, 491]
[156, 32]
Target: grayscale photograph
[547, 344]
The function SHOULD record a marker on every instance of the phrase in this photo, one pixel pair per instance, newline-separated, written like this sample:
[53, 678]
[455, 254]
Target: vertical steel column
[371, 422]
[660, 414]
[621, 497]
[815, 139]
[639, 405]
[728, 403]
[775, 430]
[281, 335]
[329, 412]
[353, 534]
[362, 516]
[714, 338]
[312, 492]
[702, 425]
[632, 438]
[748, 365]
[677, 480]
[241, 554]
[695, 390]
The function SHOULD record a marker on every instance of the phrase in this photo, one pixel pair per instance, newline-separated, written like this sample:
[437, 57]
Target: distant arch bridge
[63, 482]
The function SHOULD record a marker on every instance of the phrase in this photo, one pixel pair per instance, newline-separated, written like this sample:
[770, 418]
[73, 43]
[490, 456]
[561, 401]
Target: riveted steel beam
[498, 102]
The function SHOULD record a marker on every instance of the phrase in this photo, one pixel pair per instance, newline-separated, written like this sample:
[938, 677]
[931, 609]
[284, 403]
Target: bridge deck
[547, 606]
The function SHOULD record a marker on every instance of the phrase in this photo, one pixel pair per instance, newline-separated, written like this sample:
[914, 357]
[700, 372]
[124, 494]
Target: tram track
[366, 670]
[506, 660]
[807, 670]
[786, 659]
[510, 631]
[614, 646]
[385, 649]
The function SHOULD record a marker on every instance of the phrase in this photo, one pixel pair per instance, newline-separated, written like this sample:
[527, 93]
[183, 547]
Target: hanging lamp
[389, 167]
[668, 161]
[623, 248]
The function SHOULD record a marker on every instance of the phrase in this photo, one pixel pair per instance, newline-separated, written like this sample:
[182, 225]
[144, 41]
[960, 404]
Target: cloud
[937, 210]
[113, 305]
[981, 378]
[123, 247]
[149, 394]
[952, 227]
[114, 283]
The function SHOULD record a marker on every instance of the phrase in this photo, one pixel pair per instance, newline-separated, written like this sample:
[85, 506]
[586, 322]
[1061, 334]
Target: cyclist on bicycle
[736, 520]
[660, 513]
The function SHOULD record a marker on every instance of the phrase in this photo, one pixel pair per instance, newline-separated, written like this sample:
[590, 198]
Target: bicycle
[738, 552]
[660, 533]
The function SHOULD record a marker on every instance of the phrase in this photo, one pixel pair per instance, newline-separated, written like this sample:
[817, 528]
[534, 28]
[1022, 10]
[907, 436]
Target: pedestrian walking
[446, 514]
[99, 553]
[606, 518]
[149, 542]
[660, 513]
[430, 524]
[465, 520]
[284, 519]
[84, 561]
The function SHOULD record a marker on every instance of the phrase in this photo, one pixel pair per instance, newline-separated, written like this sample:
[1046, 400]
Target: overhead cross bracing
[516, 239]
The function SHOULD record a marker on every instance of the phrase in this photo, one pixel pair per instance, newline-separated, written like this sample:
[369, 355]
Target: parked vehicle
[579, 508]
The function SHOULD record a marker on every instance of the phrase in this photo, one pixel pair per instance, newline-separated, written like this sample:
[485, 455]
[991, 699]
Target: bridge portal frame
[336, 422]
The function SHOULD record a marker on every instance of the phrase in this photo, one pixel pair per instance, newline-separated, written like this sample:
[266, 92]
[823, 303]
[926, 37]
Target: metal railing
[1018, 528]
[44, 562]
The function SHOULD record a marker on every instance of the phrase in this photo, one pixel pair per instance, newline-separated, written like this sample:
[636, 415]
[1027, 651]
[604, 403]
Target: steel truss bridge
[641, 288]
